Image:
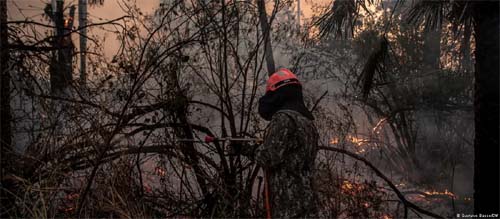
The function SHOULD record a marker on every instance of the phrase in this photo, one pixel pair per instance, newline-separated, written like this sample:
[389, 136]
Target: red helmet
[281, 78]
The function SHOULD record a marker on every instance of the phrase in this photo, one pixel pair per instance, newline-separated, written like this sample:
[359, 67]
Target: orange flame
[349, 187]
[160, 171]
[66, 22]
[334, 141]
[346, 185]
[446, 192]
[355, 140]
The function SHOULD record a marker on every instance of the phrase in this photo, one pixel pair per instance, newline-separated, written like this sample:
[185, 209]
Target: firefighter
[289, 148]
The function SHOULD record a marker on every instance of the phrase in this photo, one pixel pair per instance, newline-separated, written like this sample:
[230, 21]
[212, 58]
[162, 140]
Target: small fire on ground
[359, 143]
[355, 140]
[446, 192]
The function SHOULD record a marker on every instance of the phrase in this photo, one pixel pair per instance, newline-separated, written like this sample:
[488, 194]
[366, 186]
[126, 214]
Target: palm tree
[340, 20]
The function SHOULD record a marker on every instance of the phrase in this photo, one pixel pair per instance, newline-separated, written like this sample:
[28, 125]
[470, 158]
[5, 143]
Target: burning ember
[346, 185]
[66, 22]
[353, 188]
[362, 199]
[378, 127]
[160, 171]
[334, 141]
[358, 143]
[354, 140]
[401, 185]
[366, 205]
[428, 196]
[446, 193]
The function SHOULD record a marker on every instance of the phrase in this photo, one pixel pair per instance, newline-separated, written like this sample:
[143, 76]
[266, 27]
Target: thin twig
[406, 203]
[317, 101]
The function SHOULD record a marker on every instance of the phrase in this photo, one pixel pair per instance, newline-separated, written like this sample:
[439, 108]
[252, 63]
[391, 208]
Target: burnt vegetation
[405, 96]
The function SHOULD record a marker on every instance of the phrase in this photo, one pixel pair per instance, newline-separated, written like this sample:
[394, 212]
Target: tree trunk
[465, 48]
[61, 63]
[7, 200]
[298, 16]
[486, 26]
[266, 32]
[432, 48]
[82, 17]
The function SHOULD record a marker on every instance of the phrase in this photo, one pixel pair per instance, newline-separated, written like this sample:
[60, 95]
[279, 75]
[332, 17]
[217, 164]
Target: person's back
[287, 154]
[289, 149]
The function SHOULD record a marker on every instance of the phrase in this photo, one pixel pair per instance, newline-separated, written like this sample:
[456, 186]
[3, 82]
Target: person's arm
[276, 141]
[247, 150]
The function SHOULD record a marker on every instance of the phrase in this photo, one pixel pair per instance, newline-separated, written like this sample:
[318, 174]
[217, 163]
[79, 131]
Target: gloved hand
[245, 149]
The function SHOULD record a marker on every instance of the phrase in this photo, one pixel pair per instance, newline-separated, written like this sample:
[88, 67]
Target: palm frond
[460, 12]
[48, 13]
[374, 64]
[428, 13]
[96, 2]
[339, 19]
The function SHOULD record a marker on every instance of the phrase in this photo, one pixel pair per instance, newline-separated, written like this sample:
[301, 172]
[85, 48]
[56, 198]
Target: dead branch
[318, 100]
[379, 173]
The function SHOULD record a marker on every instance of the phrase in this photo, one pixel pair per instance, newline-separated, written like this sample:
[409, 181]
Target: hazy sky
[33, 9]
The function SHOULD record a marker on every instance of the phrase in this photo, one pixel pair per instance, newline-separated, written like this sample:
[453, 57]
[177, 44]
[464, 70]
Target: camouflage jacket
[287, 154]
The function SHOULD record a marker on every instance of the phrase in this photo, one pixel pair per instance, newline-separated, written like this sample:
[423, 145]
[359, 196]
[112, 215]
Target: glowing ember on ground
[349, 187]
[446, 192]
[66, 23]
[401, 185]
[355, 140]
[346, 185]
[334, 141]
[160, 171]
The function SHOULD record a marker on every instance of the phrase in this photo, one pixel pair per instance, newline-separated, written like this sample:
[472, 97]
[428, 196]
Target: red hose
[266, 195]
